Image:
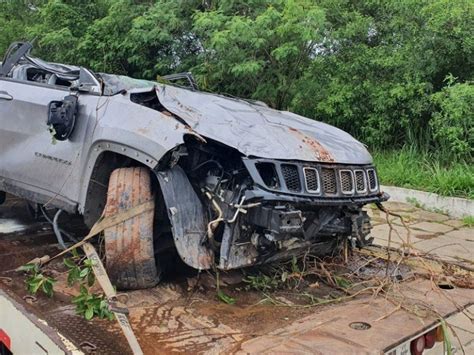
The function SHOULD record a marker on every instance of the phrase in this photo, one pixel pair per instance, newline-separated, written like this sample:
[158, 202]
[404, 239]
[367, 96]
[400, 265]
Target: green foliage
[420, 170]
[468, 221]
[259, 51]
[453, 121]
[447, 345]
[262, 282]
[225, 298]
[84, 275]
[37, 281]
[80, 271]
[221, 295]
[90, 305]
[342, 282]
[52, 131]
[15, 19]
[383, 66]
[382, 70]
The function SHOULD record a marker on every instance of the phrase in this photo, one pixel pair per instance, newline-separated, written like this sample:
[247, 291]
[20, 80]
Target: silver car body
[58, 173]
[152, 124]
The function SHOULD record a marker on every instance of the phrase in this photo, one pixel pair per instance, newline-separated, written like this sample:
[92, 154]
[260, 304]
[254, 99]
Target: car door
[32, 163]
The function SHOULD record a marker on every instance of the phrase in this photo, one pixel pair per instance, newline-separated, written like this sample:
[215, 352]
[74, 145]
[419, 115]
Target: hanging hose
[58, 231]
[212, 225]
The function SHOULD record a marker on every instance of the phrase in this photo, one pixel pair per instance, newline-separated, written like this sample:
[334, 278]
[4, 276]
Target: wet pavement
[430, 232]
[434, 233]
[183, 314]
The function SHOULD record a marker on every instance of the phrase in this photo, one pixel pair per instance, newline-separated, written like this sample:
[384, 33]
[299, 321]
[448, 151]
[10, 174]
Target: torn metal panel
[241, 182]
[187, 217]
[259, 131]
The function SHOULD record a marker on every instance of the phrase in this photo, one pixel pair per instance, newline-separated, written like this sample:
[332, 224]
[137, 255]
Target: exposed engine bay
[236, 211]
[240, 183]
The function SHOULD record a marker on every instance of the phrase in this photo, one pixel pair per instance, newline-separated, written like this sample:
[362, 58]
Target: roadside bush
[453, 120]
[376, 69]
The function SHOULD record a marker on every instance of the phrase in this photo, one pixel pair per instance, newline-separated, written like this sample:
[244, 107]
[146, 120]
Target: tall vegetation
[389, 72]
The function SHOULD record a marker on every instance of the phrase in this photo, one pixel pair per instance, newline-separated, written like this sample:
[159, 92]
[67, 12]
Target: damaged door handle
[5, 95]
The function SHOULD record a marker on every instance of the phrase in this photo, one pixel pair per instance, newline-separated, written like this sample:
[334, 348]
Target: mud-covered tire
[129, 252]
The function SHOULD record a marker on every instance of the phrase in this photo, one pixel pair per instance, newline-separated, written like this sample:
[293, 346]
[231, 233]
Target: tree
[258, 51]
[375, 68]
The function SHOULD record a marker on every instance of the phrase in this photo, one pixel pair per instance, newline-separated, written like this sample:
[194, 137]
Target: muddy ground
[184, 314]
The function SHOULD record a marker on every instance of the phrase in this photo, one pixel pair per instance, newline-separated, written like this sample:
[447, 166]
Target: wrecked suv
[231, 182]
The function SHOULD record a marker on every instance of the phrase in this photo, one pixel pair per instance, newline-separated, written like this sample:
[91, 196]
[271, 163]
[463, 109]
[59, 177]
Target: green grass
[423, 171]
[468, 221]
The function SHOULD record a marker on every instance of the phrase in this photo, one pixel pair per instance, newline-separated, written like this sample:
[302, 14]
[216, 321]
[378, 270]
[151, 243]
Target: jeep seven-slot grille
[291, 176]
[329, 180]
[318, 179]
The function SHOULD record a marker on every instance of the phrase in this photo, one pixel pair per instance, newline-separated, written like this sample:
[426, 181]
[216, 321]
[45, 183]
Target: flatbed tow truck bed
[183, 314]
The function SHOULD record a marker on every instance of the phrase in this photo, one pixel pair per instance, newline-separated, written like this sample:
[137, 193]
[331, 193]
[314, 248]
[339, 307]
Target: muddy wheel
[130, 259]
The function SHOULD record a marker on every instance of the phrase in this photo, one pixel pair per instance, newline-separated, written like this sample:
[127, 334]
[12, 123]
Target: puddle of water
[8, 225]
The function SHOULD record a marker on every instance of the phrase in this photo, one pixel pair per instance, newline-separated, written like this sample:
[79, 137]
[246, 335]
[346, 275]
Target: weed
[53, 133]
[225, 298]
[75, 273]
[446, 339]
[261, 282]
[342, 282]
[468, 221]
[220, 294]
[413, 201]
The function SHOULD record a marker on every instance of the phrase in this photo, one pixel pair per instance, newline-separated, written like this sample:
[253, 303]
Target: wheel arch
[105, 157]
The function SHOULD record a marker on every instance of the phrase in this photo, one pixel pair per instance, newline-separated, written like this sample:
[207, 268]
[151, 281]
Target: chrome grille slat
[360, 181]
[347, 181]
[311, 178]
[373, 184]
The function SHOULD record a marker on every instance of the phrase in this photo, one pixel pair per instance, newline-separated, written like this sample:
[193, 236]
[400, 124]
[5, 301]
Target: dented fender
[187, 216]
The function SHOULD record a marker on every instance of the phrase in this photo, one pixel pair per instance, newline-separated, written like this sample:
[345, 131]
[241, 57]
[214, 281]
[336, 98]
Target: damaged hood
[258, 131]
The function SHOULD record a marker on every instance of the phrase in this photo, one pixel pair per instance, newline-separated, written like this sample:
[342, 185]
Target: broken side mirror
[62, 117]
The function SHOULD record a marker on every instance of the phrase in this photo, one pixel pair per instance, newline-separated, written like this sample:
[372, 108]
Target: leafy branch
[88, 304]
[80, 271]
[37, 281]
